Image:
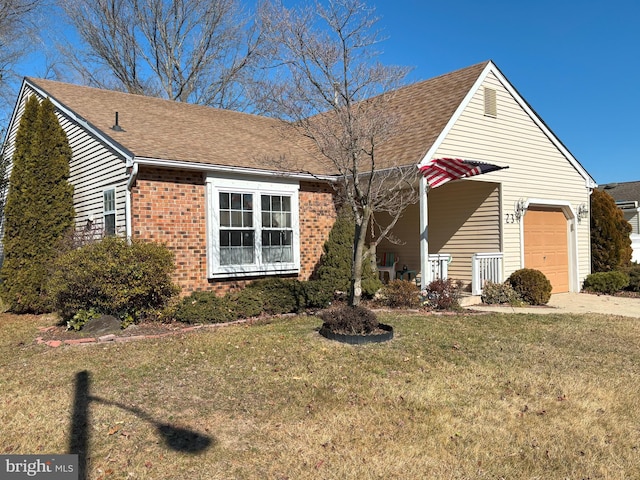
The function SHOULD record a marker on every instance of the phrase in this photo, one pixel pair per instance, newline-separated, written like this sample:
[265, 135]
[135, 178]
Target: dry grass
[451, 397]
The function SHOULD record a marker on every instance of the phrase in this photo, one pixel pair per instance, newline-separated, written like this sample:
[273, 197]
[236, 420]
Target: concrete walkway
[569, 303]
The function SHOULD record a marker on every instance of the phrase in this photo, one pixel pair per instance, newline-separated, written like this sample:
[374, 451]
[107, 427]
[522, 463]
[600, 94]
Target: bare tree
[336, 94]
[15, 31]
[197, 51]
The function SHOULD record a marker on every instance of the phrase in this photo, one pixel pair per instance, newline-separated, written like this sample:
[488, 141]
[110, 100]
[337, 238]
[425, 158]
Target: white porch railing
[439, 265]
[635, 246]
[485, 267]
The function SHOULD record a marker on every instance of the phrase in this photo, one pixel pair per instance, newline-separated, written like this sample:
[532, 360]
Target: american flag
[440, 170]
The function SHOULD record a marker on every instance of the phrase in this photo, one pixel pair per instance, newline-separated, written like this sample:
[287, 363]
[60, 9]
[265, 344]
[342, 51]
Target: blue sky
[577, 63]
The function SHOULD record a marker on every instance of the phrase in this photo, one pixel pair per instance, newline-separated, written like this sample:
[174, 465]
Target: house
[203, 181]
[627, 197]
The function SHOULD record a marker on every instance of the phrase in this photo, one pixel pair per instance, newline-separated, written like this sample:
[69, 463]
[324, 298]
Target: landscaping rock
[103, 325]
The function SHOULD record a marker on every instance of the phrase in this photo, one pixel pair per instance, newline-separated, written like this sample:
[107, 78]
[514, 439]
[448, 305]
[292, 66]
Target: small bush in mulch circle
[349, 320]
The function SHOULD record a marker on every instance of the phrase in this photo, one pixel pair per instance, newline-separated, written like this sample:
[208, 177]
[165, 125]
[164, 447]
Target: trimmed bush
[610, 241]
[334, 267]
[279, 295]
[443, 294]
[39, 209]
[399, 294]
[247, 303]
[606, 282]
[349, 320]
[112, 277]
[532, 285]
[314, 294]
[493, 293]
[634, 278]
[205, 307]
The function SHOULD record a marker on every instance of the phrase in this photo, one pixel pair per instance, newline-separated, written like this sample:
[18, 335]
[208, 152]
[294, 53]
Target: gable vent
[490, 105]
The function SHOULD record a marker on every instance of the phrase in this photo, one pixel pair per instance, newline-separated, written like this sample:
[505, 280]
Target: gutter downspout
[132, 179]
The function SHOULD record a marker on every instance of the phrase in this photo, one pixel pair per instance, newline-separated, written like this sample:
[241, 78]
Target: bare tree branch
[15, 32]
[335, 93]
[198, 51]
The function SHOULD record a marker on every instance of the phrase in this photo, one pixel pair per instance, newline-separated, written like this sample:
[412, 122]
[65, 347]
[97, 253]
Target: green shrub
[81, 318]
[443, 294]
[247, 303]
[493, 293]
[315, 294]
[205, 307]
[532, 285]
[610, 241]
[400, 294]
[349, 320]
[279, 295]
[39, 208]
[634, 278]
[334, 267]
[606, 282]
[112, 277]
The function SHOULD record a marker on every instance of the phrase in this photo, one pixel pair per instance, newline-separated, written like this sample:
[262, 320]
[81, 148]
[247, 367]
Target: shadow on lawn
[176, 438]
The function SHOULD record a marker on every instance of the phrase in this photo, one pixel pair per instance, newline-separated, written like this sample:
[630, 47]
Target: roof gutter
[127, 210]
[207, 167]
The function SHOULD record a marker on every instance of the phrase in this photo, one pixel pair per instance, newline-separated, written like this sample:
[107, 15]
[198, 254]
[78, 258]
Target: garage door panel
[546, 245]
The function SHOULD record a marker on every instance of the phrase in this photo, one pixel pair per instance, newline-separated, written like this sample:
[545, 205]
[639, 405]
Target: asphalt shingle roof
[167, 130]
[624, 191]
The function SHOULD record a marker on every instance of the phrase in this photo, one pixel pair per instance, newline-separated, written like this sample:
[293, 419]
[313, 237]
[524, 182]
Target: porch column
[425, 271]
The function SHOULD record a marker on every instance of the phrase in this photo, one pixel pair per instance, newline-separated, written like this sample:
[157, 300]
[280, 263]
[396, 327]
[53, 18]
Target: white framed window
[252, 227]
[109, 211]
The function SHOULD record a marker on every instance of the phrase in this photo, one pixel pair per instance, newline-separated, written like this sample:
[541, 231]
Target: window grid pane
[277, 236]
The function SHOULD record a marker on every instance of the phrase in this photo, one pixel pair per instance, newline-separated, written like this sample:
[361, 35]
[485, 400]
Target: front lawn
[451, 397]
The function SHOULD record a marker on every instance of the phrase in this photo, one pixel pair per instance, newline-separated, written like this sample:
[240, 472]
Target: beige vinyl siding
[464, 218]
[93, 168]
[633, 217]
[407, 233]
[537, 168]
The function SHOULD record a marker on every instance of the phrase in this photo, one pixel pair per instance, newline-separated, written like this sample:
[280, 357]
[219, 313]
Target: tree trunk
[359, 243]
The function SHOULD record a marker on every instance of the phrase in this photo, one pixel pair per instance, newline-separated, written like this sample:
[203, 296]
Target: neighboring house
[203, 181]
[627, 197]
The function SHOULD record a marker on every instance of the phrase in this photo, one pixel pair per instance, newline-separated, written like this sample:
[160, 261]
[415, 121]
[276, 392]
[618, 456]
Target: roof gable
[491, 68]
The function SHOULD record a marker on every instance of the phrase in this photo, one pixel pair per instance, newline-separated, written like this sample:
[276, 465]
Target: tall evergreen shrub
[39, 209]
[334, 270]
[610, 240]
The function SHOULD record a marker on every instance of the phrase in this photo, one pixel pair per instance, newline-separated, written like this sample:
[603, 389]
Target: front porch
[463, 236]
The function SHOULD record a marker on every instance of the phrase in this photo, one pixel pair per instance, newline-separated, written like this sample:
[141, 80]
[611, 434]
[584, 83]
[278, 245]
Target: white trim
[425, 271]
[215, 185]
[211, 168]
[106, 212]
[572, 236]
[128, 201]
[492, 68]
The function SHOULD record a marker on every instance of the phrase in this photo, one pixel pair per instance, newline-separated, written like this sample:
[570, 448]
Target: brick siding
[168, 206]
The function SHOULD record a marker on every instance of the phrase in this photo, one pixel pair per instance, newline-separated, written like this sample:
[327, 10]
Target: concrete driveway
[571, 303]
